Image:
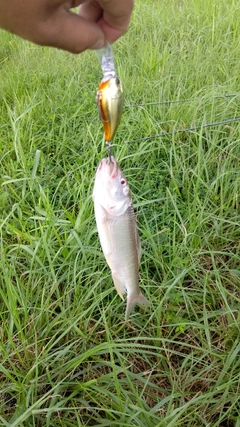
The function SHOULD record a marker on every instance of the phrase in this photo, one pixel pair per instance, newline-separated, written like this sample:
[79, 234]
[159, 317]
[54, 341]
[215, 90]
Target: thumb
[69, 31]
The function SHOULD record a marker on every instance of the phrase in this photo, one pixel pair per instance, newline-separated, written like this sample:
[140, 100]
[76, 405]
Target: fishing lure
[109, 96]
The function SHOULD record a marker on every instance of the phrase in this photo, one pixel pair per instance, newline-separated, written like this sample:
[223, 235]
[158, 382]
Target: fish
[110, 105]
[117, 230]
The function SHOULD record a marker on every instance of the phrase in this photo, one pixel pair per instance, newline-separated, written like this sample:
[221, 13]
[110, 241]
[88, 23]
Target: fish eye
[123, 181]
[117, 81]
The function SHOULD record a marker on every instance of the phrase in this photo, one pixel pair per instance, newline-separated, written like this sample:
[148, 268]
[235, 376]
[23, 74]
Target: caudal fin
[132, 301]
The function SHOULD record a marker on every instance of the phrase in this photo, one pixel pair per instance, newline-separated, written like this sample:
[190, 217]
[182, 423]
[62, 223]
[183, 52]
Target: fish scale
[125, 253]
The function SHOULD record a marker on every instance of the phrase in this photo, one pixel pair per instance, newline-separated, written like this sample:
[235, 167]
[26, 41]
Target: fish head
[109, 89]
[111, 188]
[115, 87]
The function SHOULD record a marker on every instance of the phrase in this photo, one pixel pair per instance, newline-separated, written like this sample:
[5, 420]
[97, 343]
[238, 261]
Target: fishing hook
[108, 146]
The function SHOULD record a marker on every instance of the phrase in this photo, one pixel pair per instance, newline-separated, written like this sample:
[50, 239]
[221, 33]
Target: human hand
[51, 22]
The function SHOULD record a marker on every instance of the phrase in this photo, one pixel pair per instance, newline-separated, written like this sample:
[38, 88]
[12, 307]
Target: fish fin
[139, 248]
[121, 289]
[132, 301]
[138, 241]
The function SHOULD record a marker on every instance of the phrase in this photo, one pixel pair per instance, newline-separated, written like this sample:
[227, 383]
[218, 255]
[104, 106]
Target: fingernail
[99, 45]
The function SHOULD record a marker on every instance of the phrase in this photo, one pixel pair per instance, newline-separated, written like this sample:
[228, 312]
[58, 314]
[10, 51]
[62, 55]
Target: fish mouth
[110, 167]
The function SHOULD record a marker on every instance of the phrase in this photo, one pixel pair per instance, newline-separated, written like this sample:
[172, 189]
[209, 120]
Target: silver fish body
[117, 231]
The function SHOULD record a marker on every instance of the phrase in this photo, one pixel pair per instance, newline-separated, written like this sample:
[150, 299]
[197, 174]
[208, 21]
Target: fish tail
[132, 301]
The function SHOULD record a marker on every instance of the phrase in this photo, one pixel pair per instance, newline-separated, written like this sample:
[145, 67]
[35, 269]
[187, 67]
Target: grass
[67, 358]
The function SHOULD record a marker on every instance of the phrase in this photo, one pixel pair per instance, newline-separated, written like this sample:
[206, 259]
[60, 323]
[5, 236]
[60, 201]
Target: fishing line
[181, 101]
[190, 129]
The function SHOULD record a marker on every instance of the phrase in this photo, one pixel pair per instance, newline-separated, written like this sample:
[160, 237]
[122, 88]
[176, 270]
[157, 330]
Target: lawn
[67, 357]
